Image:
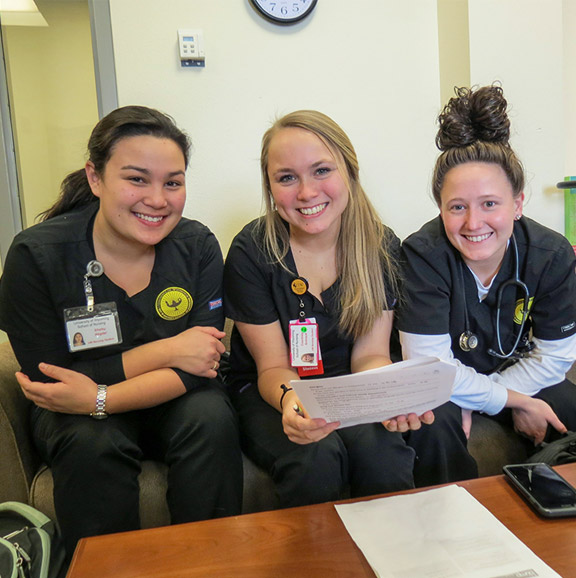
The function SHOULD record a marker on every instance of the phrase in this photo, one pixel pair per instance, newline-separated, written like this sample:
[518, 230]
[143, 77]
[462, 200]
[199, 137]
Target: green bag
[30, 545]
[560, 451]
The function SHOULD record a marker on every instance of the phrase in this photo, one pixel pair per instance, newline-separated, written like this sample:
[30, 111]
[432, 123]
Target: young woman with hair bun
[487, 287]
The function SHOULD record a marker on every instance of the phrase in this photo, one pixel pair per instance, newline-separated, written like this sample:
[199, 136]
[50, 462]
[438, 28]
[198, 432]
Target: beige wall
[374, 66]
[569, 94]
[371, 65]
[453, 46]
[382, 71]
[53, 97]
[520, 43]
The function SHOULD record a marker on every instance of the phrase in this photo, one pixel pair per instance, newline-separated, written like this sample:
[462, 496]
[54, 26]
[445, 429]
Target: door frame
[107, 96]
[103, 51]
[10, 209]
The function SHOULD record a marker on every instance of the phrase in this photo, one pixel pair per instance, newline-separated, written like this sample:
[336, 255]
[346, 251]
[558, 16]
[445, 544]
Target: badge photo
[305, 354]
[303, 344]
[88, 329]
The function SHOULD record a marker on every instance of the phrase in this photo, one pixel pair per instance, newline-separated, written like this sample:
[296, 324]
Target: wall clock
[284, 11]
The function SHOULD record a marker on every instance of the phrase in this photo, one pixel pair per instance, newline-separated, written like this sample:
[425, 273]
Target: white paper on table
[443, 532]
[412, 386]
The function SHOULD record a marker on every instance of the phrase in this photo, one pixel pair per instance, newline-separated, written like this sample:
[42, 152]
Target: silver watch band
[100, 411]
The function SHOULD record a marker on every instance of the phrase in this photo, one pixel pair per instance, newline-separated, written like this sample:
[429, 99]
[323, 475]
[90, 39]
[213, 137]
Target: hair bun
[474, 115]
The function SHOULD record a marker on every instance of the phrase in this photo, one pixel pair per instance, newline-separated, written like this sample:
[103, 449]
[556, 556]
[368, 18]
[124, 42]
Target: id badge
[305, 353]
[90, 329]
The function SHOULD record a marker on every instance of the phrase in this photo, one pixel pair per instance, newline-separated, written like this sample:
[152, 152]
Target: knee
[311, 474]
[447, 424]
[94, 440]
[210, 417]
[92, 450]
[448, 413]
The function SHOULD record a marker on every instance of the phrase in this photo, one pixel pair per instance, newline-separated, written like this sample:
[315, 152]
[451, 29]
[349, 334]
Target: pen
[298, 409]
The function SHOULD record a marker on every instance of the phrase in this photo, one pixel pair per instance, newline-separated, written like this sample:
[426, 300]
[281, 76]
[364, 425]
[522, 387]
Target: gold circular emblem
[173, 303]
[299, 286]
[519, 312]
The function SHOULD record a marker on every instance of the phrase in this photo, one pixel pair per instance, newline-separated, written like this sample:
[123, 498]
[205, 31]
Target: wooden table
[307, 541]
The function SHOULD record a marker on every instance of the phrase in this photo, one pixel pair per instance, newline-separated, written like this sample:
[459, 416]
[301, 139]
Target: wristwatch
[100, 412]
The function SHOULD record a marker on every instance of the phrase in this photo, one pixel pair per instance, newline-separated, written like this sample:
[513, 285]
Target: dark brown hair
[474, 127]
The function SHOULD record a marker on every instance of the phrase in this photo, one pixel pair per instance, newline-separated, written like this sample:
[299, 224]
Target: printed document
[440, 532]
[412, 386]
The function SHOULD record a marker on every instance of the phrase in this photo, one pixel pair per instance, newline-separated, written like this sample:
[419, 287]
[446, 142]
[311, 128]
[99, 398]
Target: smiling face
[306, 185]
[478, 210]
[142, 191]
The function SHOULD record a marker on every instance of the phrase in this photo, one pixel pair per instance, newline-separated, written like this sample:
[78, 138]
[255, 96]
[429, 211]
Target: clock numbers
[284, 11]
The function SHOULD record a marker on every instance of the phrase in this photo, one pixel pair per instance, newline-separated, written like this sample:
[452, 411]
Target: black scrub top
[440, 290]
[43, 276]
[259, 292]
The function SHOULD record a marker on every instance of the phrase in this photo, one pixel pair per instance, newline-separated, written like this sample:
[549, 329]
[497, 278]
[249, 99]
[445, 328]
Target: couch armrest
[18, 459]
[571, 375]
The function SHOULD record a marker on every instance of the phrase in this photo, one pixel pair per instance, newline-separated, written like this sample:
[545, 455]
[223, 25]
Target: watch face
[284, 11]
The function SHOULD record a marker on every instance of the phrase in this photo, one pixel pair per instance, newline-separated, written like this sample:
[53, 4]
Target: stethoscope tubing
[468, 340]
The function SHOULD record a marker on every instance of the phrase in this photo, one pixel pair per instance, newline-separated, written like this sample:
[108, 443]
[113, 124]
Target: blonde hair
[362, 258]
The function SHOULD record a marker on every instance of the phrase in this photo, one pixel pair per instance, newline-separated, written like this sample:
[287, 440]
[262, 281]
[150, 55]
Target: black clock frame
[283, 21]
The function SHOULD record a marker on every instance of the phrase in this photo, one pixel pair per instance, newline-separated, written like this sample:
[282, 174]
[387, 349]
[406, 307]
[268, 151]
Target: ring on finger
[215, 366]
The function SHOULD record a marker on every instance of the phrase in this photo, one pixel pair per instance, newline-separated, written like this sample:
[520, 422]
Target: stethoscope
[468, 341]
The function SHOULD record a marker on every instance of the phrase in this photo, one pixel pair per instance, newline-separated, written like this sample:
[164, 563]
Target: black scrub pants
[364, 459]
[562, 399]
[442, 449]
[95, 463]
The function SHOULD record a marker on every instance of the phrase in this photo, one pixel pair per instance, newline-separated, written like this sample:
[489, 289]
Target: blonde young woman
[320, 256]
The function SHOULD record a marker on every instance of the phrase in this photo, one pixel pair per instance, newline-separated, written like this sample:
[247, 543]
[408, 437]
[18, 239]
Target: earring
[517, 217]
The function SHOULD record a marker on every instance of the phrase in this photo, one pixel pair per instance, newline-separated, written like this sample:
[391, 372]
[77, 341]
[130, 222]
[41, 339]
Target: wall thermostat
[191, 48]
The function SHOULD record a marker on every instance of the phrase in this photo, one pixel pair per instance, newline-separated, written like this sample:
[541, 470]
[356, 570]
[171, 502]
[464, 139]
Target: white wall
[453, 46]
[519, 42]
[372, 65]
[569, 35]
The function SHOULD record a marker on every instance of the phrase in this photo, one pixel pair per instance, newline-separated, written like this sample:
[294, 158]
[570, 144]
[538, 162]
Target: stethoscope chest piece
[468, 341]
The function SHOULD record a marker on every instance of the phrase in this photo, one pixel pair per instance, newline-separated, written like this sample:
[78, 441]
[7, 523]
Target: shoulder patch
[215, 304]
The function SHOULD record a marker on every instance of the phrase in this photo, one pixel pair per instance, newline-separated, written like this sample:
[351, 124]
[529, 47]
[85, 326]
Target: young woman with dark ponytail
[115, 263]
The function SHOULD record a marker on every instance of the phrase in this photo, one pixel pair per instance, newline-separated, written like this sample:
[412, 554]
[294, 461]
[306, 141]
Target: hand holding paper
[376, 395]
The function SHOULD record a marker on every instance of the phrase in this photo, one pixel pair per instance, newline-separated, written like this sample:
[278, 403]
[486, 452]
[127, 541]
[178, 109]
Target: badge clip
[96, 325]
[299, 286]
[93, 269]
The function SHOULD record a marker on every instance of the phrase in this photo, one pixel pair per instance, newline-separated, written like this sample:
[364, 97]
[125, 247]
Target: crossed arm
[150, 379]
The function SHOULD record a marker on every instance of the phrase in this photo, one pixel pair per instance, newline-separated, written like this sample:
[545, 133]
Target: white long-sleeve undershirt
[546, 365]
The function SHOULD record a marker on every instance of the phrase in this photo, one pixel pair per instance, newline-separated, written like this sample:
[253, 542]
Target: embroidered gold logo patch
[173, 303]
[519, 312]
